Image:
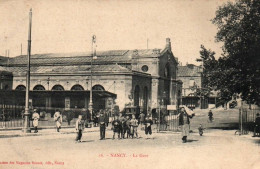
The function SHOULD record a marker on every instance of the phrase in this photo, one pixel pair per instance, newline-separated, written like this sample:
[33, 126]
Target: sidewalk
[17, 132]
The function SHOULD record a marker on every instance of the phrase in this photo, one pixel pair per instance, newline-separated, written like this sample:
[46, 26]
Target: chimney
[168, 44]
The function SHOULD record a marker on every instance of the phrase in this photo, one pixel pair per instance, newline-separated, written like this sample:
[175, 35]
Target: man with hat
[257, 125]
[102, 125]
[35, 118]
[148, 126]
[184, 122]
[116, 127]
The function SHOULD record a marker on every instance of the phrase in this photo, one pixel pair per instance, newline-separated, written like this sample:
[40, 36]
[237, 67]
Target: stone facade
[143, 78]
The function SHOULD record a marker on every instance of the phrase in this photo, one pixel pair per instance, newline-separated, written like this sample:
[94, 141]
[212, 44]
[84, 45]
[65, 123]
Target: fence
[169, 123]
[246, 120]
[11, 116]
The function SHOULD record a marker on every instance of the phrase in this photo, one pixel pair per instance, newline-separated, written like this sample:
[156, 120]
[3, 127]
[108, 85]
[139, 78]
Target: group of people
[57, 118]
[122, 127]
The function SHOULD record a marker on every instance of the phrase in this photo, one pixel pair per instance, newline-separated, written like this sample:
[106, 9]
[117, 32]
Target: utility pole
[91, 91]
[26, 128]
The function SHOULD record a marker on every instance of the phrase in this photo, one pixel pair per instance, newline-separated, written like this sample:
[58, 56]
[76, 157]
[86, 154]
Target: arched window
[136, 95]
[38, 87]
[167, 71]
[20, 87]
[58, 88]
[98, 87]
[77, 88]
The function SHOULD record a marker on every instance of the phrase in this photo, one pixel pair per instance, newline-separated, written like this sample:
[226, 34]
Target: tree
[237, 70]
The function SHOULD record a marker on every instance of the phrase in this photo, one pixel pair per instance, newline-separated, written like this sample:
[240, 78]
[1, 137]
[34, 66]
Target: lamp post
[26, 128]
[92, 57]
[201, 60]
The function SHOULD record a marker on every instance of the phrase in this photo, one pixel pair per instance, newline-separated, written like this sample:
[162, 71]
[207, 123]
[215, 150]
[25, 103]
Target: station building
[144, 79]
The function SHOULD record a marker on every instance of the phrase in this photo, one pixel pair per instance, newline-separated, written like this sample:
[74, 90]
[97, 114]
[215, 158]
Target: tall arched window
[136, 95]
[58, 88]
[77, 87]
[38, 87]
[20, 87]
[98, 88]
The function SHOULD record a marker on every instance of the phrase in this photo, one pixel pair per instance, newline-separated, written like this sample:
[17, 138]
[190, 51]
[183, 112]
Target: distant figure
[102, 126]
[257, 125]
[116, 127]
[142, 119]
[79, 128]
[148, 126]
[128, 121]
[123, 127]
[58, 119]
[210, 114]
[184, 122]
[201, 129]
[35, 118]
[134, 125]
[106, 115]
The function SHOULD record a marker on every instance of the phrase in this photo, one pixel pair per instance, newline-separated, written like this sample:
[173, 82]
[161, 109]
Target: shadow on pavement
[189, 141]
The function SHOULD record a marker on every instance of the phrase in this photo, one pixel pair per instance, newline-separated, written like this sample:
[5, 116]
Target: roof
[4, 71]
[189, 70]
[82, 58]
[68, 69]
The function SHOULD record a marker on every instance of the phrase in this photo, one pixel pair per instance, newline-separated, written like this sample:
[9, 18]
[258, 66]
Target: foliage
[237, 71]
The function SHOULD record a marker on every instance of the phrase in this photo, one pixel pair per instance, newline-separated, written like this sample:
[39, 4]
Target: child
[116, 127]
[148, 126]
[79, 128]
[201, 129]
[134, 124]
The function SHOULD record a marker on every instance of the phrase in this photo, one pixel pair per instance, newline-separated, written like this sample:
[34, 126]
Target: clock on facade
[144, 68]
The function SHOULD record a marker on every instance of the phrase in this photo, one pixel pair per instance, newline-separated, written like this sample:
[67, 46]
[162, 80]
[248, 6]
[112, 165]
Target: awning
[65, 93]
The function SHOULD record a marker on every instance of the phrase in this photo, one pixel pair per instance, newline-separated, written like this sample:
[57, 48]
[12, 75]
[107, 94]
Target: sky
[63, 26]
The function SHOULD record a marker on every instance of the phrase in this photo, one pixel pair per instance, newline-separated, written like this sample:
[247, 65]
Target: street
[217, 148]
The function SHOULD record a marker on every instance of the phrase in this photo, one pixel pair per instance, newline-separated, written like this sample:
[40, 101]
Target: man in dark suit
[184, 122]
[257, 125]
[102, 125]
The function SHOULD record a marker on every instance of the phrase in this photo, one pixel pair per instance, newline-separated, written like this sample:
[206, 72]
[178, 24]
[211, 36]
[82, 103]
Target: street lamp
[201, 60]
[92, 57]
[26, 128]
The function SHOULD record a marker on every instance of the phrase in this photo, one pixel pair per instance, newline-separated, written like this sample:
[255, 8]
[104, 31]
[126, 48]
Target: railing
[246, 120]
[169, 123]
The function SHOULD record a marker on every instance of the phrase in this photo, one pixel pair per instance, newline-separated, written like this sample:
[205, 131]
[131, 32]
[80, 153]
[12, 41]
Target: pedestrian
[58, 119]
[142, 119]
[148, 126]
[184, 122]
[257, 125]
[120, 127]
[102, 126]
[106, 115]
[128, 121]
[201, 129]
[79, 128]
[134, 124]
[123, 127]
[210, 114]
[116, 127]
[35, 118]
